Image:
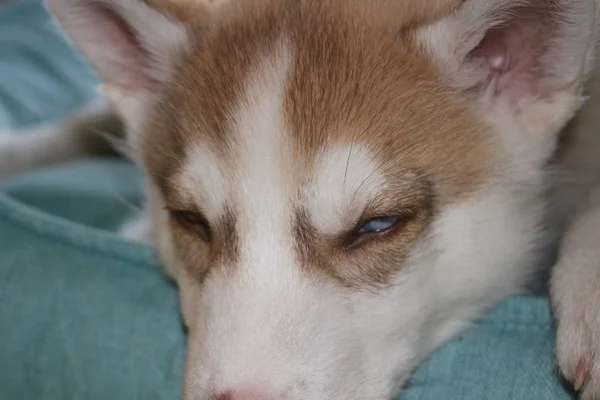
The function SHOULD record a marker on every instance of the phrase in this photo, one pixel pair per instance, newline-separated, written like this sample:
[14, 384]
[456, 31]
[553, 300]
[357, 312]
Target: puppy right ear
[131, 44]
[522, 64]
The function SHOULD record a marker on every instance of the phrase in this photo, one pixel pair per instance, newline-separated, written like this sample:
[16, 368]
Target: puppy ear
[129, 43]
[529, 57]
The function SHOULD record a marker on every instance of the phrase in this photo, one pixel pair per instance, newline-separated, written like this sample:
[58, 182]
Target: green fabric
[84, 314]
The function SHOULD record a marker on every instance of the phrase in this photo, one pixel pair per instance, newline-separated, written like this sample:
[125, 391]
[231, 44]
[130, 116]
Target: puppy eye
[193, 222]
[377, 225]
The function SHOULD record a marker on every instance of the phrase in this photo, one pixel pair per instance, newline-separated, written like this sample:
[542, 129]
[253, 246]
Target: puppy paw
[575, 295]
[577, 348]
[576, 302]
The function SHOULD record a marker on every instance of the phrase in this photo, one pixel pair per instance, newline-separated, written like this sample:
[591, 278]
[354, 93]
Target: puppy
[339, 187]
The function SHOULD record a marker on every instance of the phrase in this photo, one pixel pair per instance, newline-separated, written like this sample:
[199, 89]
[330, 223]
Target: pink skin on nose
[245, 394]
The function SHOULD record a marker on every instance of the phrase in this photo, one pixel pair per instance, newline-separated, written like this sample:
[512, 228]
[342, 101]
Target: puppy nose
[245, 394]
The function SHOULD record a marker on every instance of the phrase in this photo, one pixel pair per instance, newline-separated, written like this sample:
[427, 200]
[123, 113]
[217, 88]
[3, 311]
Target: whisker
[381, 166]
[348, 160]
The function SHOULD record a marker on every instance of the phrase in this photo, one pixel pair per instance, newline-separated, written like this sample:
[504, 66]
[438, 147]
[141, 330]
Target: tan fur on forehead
[400, 13]
[208, 81]
[351, 81]
[357, 84]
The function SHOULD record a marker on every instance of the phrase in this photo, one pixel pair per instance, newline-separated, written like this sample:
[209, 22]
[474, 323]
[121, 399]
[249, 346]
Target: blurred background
[42, 80]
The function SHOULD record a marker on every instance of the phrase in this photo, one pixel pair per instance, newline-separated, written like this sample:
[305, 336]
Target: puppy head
[337, 193]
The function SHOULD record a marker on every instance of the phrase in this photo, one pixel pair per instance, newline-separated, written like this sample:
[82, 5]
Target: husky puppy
[339, 187]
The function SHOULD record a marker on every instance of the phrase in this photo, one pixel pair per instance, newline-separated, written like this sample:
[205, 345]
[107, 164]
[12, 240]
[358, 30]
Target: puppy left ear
[524, 59]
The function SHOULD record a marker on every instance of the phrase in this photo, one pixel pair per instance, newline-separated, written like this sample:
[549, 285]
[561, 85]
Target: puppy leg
[575, 292]
[88, 131]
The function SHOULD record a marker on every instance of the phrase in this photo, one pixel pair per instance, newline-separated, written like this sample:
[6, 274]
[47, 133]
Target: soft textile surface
[87, 315]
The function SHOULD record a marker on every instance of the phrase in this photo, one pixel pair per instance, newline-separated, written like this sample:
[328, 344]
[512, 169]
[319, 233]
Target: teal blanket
[85, 314]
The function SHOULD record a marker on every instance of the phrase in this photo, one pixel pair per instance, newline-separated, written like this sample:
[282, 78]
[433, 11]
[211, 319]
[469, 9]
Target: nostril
[243, 394]
[223, 396]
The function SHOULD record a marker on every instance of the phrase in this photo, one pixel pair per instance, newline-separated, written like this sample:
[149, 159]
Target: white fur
[576, 277]
[265, 326]
[269, 325]
[259, 198]
[202, 179]
[346, 179]
[575, 289]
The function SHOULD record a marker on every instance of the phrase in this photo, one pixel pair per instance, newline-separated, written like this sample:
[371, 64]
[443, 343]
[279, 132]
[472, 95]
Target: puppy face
[335, 195]
[302, 192]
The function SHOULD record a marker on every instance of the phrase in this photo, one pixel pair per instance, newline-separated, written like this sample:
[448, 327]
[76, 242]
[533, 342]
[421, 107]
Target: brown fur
[182, 10]
[398, 13]
[351, 82]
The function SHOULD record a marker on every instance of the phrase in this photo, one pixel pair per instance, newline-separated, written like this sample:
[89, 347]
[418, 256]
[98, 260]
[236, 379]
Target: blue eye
[378, 225]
